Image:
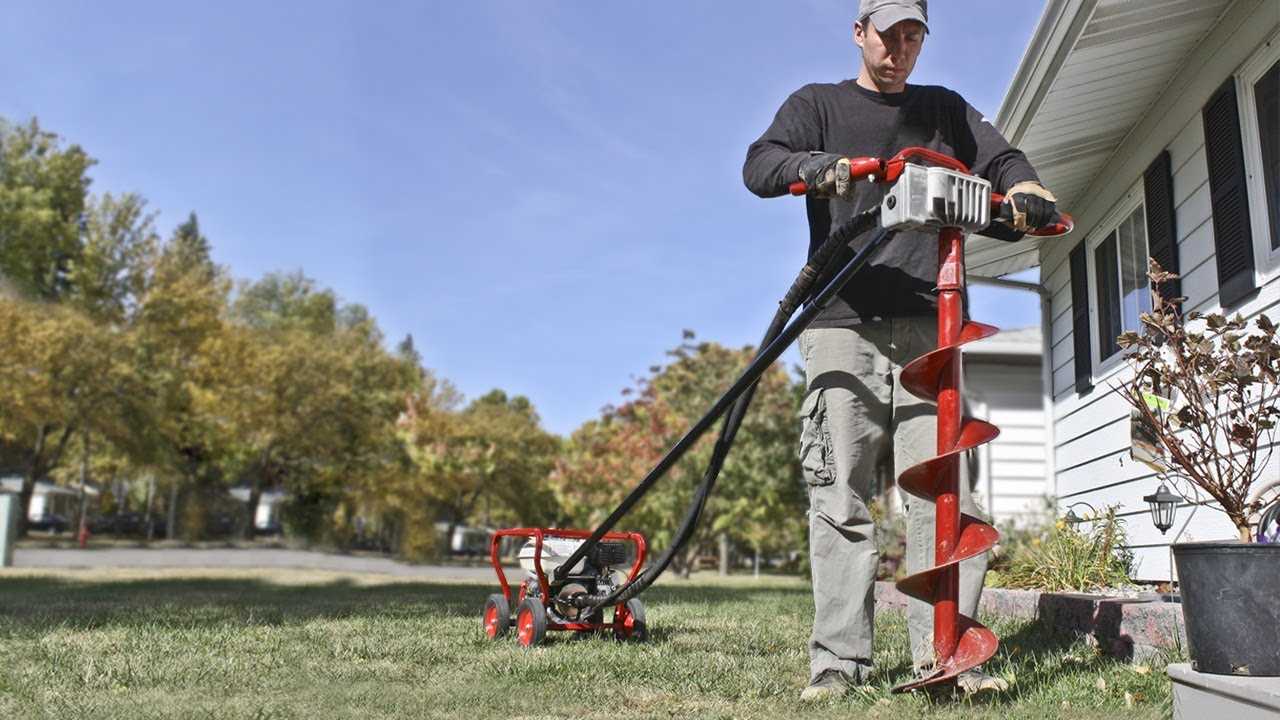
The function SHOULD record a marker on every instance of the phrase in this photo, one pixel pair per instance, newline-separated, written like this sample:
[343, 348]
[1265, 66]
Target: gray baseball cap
[885, 14]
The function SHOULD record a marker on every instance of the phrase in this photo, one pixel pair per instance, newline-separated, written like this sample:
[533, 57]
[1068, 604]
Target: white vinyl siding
[1090, 431]
[1009, 394]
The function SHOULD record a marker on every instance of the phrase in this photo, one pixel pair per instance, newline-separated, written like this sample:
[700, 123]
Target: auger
[942, 197]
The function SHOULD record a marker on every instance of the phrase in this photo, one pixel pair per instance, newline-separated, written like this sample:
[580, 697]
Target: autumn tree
[759, 499]
[188, 361]
[486, 463]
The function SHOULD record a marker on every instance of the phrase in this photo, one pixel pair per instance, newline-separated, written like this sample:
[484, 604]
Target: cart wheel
[628, 622]
[497, 616]
[531, 622]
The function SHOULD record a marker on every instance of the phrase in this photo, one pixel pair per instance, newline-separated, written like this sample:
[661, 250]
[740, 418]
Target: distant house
[48, 500]
[1157, 124]
[266, 517]
[1004, 385]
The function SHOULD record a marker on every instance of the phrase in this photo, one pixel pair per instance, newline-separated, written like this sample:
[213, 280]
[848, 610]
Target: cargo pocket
[816, 460]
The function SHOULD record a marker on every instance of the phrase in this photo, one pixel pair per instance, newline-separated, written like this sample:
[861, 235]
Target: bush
[305, 516]
[1065, 558]
[891, 540]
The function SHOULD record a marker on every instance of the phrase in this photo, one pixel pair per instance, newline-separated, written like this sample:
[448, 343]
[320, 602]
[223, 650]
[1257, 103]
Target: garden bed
[1127, 628]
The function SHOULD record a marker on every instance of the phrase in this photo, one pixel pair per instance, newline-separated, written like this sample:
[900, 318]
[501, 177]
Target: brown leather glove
[1030, 205]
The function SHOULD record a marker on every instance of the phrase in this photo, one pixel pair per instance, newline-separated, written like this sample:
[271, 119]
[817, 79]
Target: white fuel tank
[554, 552]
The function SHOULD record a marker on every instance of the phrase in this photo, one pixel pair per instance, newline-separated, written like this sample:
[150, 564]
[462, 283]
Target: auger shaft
[950, 404]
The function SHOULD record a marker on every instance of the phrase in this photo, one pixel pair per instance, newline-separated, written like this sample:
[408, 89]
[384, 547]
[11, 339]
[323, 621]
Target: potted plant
[1205, 390]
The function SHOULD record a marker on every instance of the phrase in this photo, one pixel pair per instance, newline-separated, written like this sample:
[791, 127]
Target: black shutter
[1162, 221]
[1080, 319]
[1267, 92]
[1232, 235]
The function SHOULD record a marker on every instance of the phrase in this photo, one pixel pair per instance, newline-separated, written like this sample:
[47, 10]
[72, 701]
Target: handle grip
[1061, 225]
[859, 169]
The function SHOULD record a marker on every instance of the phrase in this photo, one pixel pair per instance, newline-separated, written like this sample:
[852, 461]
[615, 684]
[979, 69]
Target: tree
[188, 362]
[759, 498]
[322, 394]
[109, 273]
[62, 373]
[43, 187]
[487, 463]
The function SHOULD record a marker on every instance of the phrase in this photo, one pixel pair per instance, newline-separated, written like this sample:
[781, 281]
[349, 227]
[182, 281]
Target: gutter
[1046, 367]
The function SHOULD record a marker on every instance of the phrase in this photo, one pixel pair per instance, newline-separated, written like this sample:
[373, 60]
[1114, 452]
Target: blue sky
[543, 193]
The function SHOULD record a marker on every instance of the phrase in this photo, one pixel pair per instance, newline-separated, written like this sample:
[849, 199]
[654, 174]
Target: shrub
[1225, 379]
[1065, 558]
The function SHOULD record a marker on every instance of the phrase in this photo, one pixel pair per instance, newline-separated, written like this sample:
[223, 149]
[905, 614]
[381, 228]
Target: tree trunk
[37, 465]
[171, 526]
[84, 479]
[29, 482]
[147, 507]
[724, 554]
[687, 559]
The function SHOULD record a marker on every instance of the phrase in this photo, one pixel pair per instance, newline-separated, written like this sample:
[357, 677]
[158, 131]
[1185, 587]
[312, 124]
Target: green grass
[294, 644]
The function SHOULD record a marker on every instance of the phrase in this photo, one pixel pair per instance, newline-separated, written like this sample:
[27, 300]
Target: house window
[1258, 81]
[1266, 94]
[1120, 280]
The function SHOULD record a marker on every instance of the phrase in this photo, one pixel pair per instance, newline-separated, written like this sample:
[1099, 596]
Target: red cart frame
[538, 534]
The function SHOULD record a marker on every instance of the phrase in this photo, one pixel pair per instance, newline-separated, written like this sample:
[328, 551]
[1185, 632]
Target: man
[855, 412]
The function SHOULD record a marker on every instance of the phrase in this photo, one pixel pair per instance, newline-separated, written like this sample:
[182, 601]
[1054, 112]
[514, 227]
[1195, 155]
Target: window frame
[1266, 259]
[1133, 199]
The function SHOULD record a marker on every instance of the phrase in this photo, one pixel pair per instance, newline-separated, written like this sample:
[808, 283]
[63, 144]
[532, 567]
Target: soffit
[1117, 63]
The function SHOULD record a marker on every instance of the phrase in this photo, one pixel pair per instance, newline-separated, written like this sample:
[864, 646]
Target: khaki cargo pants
[856, 414]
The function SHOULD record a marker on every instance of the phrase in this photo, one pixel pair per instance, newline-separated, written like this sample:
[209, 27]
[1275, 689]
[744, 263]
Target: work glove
[827, 175]
[1029, 205]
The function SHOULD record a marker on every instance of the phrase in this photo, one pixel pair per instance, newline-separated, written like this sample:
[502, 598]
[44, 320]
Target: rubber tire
[531, 623]
[495, 608]
[637, 630]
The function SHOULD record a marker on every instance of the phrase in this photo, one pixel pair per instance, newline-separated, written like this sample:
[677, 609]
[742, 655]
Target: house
[1003, 384]
[1156, 123]
[50, 501]
[266, 516]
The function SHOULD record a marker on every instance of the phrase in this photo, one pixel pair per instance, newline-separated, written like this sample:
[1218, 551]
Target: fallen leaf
[1128, 700]
[1142, 669]
[1101, 684]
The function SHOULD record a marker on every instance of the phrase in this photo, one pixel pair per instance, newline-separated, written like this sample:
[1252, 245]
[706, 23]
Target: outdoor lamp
[1163, 503]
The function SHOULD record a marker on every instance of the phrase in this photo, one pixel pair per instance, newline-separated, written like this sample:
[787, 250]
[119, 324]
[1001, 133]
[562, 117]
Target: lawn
[302, 644]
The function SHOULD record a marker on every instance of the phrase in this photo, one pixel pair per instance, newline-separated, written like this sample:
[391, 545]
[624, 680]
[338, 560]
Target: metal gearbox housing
[933, 198]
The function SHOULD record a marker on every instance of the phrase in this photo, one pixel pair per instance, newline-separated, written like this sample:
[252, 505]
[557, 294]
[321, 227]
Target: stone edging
[1126, 628]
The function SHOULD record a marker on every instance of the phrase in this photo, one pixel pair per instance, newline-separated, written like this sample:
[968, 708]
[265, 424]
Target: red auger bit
[959, 642]
[946, 199]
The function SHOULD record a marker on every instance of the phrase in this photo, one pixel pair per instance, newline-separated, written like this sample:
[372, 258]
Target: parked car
[49, 522]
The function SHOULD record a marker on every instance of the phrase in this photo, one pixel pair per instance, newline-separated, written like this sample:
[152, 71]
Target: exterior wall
[1007, 392]
[1090, 431]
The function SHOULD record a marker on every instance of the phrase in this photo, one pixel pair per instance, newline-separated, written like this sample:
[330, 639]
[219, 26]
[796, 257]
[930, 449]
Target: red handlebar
[888, 171]
[1064, 225]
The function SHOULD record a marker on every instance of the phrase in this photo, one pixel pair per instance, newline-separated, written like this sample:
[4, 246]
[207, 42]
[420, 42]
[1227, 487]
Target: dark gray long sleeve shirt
[849, 120]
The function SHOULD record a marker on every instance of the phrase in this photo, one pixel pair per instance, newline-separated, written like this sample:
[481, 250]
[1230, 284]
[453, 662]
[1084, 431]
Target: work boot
[975, 681]
[829, 684]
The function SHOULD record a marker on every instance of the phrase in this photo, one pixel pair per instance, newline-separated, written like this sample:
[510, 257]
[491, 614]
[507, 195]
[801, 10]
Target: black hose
[776, 339]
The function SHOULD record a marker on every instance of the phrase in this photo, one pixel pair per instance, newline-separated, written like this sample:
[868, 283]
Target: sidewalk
[243, 558]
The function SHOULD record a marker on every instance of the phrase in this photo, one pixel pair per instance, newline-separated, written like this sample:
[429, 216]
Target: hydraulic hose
[776, 339]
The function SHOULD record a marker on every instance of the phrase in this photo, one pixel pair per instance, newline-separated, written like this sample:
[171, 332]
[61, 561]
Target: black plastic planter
[1231, 604]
